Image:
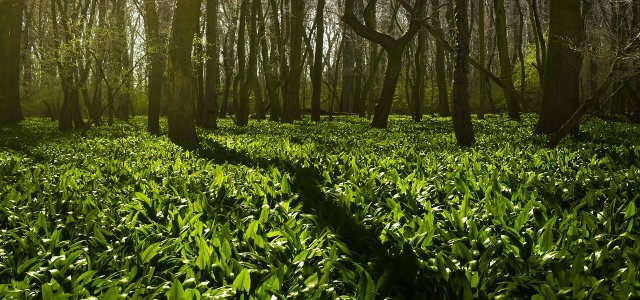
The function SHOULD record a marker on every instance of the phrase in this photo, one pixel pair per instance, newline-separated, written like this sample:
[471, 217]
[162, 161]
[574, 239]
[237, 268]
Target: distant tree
[180, 112]
[561, 83]
[11, 14]
[242, 105]
[441, 77]
[291, 109]
[417, 93]
[513, 105]
[395, 49]
[269, 57]
[155, 65]
[461, 114]
[317, 62]
[482, 78]
[212, 76]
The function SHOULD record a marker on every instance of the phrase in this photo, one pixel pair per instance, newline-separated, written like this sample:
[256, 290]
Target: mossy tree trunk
[506, 76]
[317, 62]
[561, 83]
[11, 12]
[461, 114]
[210, 115]
[182, 128]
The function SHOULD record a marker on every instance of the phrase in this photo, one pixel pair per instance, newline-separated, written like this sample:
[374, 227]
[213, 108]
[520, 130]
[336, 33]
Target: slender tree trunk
[292, 85]
[392, 74]
[244, 75]
[482, 49]
[441, 77]
[348, 68]
[182, 127]
[229, 64]
[418, 86]
[11, 14]
[267, 67]
[513, 105]
[317, 62]
[198, 75]
[209, 119]
[561, 83]
[155, 65]
[461, 114]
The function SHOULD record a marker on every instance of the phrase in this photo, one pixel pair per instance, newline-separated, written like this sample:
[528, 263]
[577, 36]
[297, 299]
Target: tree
[267, 65]
[182, 128]
[482, 79]
[292, 84]
[244, 75]
[395, 49]
[561, 83]
[210, 113]
[420, 59]
[441, 78]
[155, 65]
[461, 114]
[513, 105]
[317, 62]
[11, 12]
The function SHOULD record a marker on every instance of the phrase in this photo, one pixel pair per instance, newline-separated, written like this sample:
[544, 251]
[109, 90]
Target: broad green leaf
[176, 292]
[242, 282]
[149, 253]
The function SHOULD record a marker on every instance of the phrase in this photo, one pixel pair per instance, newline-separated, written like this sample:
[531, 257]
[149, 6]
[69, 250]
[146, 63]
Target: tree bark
[292, 84]
[417, 94]
[242, 109]
[441, 77]
[267, 66]
[395, 49]
[182, 127]
[461, 114]
[482, 49]
[11, 14]
[155, 65]
[209, 119]
[513, 106]
[561, 83]
[317, 62]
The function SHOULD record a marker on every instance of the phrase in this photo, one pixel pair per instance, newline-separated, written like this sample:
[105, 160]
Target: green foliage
[319, 211]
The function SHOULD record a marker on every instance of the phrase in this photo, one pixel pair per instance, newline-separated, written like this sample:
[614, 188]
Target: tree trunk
[317, 62]
[11, 13]
[292, 84]
[155, 64]
[209, 118]
[392, 74]
[267, 67]
[244, 75]
[418, 86]
[228, 55]
[561, 83]
[461, 114]
[482, 49]
[441, 77]
[182, 127]
[513, 106]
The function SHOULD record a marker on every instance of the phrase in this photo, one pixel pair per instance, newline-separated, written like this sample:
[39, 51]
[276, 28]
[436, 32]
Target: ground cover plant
[330, 210]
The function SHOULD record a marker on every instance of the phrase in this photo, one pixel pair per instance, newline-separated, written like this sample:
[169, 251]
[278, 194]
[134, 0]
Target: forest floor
[320, 211]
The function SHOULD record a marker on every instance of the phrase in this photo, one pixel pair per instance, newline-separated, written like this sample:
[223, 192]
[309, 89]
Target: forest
[321, 149]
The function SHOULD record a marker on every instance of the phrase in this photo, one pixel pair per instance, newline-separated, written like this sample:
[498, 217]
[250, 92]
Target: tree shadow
[397, 271]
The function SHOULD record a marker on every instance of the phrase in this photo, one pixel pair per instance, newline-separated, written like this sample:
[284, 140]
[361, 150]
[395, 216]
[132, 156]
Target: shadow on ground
[398, 274]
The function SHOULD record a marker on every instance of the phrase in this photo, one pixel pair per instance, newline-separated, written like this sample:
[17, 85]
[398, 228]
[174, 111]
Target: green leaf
[149, 253]
[176, 292]
[630, 212]
[47, 293]
[243, 281]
